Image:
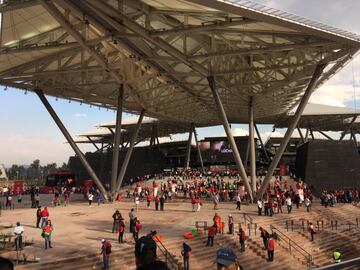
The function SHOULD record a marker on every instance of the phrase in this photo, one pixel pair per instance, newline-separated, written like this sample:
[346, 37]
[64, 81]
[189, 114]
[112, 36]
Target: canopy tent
[191, 62]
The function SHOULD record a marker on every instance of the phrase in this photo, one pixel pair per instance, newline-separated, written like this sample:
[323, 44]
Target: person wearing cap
[337, 256]
[186, 255]
[105, 251]
[145, 255]
[18, 233]
[226, 259]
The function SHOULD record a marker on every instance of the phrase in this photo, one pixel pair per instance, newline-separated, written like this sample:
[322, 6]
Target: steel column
[229, 134]
[323, 133]
[94, 144]
[312, 134]
[301, 135]
[117, 137]
[304, 100]
[262, 144]
[354, 137]
[307, 135]
[188, 148]
[129, 152]
[72, 143]
[348, 128]
[247, 152]
[199, 151]
[252, 147]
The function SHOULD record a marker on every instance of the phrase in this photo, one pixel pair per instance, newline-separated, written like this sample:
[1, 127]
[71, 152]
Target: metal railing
[170, 259]
[342, 265]
[292, 245]
[250, 224]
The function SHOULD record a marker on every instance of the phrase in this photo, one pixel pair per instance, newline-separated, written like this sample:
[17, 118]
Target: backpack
[108, 248]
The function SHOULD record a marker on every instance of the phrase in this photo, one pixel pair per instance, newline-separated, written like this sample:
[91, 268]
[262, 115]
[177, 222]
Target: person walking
[47, 232]
[211, 235]
[307, 203]
[105, 252]
[186, 250]
[337, 256]
[216, 201]
[242, 238]
[137, 228]
[38, 216]
[288, 204]
[271, 248]
[238, 202]
[231, 224]
[312, 231]
[121, 231]
[18, 233]
[137, 202]
[116, 221]
[162, 202]
[264, 235]
[44, 217]
[148, 200]
[90, 198]
[260, 206]
[132, 217]
[157, 200]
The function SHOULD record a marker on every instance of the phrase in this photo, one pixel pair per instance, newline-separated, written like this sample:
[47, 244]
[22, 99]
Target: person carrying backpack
[105, 252]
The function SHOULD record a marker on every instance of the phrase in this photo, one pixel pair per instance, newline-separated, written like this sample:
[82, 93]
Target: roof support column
[247, 152]
[312, 134]
[199, 151]
[72, 143]
[229, 134]
[117, 135]
[262, 144]
[93, 143]
[348, 128]
[307, 135]
[129, 151]
[300, 109]
[301, 135]
[252, 147]
[324, 134]
[188, 147]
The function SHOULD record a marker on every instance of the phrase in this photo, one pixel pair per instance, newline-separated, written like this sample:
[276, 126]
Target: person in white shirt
[307, 203]
[18, 233]
[90, 198]
[260, 206]
[137, 202]
[289, 204]
[238, 202]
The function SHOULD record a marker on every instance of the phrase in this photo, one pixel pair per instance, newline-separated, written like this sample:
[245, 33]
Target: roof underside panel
[163, 51]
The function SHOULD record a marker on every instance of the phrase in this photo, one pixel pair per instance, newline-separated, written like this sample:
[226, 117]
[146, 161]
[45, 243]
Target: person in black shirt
[145, 255]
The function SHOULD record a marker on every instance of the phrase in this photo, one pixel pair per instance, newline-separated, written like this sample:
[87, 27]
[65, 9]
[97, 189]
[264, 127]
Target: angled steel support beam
[223, 117]
[305, 99]
[188, 148]
[354, 138]
[247, 152]
[323, 133]
[262, 144]
[129, 151]
[93, 143]
[252, 147]
[307, 135]
[117, 137]
[311, 134]
[301, 135]
[348, 128]
[199, 151]
[72, 143]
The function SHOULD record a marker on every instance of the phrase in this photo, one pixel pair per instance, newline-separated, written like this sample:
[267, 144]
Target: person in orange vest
[211, 234]
[218, 223]
[47, 232]
[271, 248]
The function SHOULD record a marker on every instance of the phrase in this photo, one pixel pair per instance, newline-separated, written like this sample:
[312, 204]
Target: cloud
[335, 95]
[80, 115]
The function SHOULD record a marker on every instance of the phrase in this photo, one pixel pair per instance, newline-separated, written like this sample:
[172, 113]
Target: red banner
[87, 185]
[18, 187]
[283, 170]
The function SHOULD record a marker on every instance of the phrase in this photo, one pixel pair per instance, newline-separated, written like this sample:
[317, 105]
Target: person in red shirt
[211, 234]
[157, 200]
[148, 199]
[121, 231]
[44, 217]
[106, 251]
[271, 248]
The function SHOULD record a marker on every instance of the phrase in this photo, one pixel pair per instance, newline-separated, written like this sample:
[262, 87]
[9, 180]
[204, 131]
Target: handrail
[247, 218]
[292, 244]
[341, 265]
[169, 258]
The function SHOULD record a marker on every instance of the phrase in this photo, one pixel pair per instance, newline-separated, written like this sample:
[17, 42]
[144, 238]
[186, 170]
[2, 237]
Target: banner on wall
[18, 187]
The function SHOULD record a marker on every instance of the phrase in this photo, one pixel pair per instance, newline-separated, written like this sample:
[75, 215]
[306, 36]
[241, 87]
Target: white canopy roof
[163, 51]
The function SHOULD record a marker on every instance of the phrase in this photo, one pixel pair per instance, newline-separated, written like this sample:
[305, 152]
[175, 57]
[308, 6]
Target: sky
[27, 132]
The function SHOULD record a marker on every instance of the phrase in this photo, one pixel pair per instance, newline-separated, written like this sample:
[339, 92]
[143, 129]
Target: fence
[170, 259]
[292, 246]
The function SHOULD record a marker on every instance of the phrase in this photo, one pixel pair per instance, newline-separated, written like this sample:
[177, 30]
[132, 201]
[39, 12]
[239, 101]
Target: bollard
[318, 225]
[357, 222]
[322, 225]
[255, 228]
[303, 225]
[287, 225]
[336, 225]
[249, 228]
[244, 219]
[292, 225]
